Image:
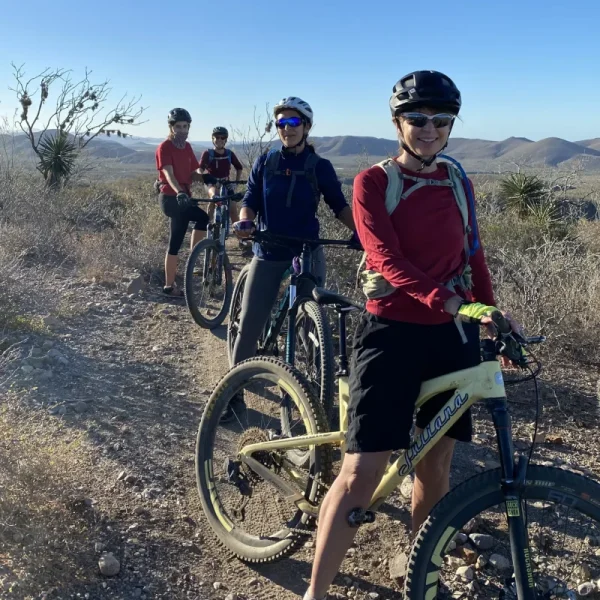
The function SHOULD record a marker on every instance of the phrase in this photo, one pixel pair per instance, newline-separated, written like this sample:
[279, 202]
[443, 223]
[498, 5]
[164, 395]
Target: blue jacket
[300, 218]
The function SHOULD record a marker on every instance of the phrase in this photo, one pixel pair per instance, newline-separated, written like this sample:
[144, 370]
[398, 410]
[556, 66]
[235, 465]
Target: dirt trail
[129, 378]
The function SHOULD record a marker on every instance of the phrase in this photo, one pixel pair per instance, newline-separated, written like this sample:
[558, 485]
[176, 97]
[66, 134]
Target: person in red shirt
[409, 334]
[178, 167]
[218, 163]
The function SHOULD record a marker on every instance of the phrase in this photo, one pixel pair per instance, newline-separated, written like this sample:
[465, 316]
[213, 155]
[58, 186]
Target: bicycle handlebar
[233, 197]
[508, 343]
[286, 240]
[226, 180]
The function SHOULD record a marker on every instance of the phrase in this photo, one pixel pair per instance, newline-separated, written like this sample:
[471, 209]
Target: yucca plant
[529, 196]
[57, 155]
[523, 192]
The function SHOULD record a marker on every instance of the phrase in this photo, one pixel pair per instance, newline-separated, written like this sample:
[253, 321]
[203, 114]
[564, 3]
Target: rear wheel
[249, 515]
[464, 546]
[208, 283]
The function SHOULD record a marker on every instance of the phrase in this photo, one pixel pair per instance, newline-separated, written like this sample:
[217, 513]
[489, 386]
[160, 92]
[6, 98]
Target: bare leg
[197, 236]
[353, 488]
[432, 480]
[170, 269]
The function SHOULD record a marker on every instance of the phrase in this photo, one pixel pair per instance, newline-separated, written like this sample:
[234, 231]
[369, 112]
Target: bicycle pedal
[360, 516]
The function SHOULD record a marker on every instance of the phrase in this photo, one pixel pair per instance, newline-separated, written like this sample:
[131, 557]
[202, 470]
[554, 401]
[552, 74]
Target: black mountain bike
[208, 276]
[298, 329]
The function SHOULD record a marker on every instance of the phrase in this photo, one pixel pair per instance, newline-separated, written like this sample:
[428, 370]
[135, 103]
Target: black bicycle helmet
[425, 88]
[220, 131]
[179, 114]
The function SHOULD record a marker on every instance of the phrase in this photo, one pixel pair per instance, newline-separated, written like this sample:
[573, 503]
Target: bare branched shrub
[60, 116]
[551, 283]
[255, 139]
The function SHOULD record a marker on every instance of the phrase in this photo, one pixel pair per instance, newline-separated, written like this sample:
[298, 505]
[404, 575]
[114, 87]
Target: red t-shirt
[219, 166]
[183, 161]
[417, 248]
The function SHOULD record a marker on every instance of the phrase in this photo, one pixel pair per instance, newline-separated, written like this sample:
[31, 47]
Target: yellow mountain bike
[516, 532]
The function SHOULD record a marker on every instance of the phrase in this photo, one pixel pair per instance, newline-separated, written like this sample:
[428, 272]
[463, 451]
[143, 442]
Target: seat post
[343, 358]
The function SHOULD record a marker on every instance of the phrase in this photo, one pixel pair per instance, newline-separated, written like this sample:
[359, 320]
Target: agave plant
[523, 192]
[57, 155]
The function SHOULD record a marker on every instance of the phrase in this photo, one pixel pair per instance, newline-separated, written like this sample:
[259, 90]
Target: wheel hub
[255, 435]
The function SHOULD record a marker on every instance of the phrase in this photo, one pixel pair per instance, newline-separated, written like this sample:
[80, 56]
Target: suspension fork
[512, 483]
[305, 268]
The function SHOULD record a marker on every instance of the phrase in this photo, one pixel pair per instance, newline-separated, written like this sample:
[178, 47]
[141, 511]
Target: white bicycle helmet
[297, 104]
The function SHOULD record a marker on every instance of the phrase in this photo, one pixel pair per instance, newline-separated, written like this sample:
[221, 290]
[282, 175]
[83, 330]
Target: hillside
[346, 151]
[350, 145]
[549, 152]
[593, 143]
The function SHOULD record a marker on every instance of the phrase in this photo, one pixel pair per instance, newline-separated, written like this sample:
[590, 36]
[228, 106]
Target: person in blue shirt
[283, 193]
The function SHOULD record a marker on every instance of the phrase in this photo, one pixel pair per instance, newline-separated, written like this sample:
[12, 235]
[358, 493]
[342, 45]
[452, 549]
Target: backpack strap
[458, 187]
[213, 155]
[271, 163]
[309, 171]
[373, 283]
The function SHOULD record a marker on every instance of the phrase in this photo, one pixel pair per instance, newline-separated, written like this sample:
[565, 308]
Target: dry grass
[549, 277]
[46, 529]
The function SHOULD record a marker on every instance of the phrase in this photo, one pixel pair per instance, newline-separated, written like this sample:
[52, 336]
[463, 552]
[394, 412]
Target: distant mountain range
[346, 150]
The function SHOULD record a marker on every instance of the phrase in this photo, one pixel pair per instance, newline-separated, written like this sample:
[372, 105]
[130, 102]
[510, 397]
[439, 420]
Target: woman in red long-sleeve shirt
[407, 335]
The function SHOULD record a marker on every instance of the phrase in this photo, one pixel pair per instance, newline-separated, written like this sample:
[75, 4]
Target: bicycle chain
[309, 533]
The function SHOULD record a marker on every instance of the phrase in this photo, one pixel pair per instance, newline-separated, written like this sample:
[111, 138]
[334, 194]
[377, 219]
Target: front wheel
[235, 312]
[208, 283]
[314, 352]
[464, 546]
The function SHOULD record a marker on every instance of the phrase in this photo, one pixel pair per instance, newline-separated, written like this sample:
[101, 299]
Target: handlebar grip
[501, 322]
[473, 312]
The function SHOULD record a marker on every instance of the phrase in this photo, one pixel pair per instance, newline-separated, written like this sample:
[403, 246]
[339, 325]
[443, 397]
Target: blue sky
[529, 68]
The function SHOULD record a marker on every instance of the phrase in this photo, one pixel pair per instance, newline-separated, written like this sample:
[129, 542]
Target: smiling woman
[177, 167]
[284, 189]
[415, 225]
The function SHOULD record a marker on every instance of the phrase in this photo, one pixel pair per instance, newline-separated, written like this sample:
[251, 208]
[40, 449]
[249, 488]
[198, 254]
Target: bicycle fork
[513, 483]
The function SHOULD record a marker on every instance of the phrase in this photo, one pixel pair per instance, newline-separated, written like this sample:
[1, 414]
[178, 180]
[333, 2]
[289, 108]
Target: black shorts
[180, 219]
[390, 360]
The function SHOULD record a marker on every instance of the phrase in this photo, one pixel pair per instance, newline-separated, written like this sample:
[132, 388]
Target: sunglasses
[291, 121]
[420, 120]
[220, 137]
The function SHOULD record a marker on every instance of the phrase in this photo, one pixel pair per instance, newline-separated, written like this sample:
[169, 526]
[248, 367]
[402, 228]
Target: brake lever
[511, 346]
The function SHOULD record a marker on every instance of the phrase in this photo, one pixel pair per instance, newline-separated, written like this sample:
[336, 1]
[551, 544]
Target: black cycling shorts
[390, 360]
[180, 219]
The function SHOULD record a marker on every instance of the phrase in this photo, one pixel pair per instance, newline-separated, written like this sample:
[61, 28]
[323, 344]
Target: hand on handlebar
[184, 201]
[496, 322]
[244, 229]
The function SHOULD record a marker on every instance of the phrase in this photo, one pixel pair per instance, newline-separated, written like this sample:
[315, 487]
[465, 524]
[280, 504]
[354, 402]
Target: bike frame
[288, 306]
[221, 225]
[482, 382]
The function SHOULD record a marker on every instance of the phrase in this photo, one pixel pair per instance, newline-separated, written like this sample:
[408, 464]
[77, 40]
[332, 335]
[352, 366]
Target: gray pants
[260, 294]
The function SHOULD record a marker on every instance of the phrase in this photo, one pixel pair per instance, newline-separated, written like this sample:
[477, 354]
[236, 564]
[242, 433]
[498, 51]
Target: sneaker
[171, 290]
[235, 406]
